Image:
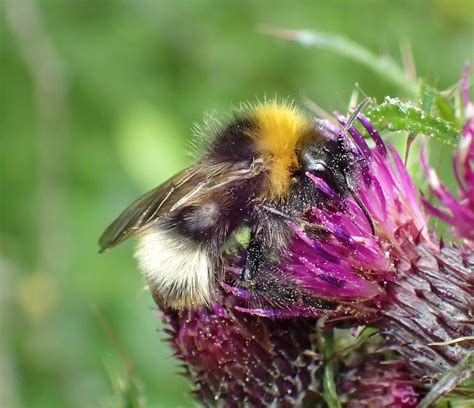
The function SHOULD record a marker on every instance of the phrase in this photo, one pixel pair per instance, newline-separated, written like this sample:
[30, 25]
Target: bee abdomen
[178, 271]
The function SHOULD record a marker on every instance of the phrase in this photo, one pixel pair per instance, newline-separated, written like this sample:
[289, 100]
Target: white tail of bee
[177, 271]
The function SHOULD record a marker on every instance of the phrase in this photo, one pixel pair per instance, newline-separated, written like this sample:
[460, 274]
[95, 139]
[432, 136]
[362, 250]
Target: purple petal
[373, 133]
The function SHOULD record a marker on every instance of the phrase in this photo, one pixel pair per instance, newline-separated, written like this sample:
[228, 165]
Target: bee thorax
[177, 271]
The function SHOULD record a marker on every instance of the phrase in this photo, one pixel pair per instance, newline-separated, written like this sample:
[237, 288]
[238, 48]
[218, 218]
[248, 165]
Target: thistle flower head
[379, 263]
[240, 360]
[351, 266]
[419, 290]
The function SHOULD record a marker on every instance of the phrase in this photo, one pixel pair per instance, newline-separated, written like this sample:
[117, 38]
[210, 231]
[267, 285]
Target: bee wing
[187, 186]
[146, 209]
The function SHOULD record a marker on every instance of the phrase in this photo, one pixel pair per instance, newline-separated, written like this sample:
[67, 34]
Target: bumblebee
[252, 173]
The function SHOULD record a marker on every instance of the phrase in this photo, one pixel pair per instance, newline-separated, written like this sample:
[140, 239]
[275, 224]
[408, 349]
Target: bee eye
[318, 169]
[322, 172]
[313, 164]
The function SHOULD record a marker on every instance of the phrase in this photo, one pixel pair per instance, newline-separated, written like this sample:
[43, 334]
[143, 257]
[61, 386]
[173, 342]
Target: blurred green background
[98, 101]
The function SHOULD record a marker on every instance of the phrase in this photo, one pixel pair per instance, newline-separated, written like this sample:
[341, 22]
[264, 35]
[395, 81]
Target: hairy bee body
[253, 173]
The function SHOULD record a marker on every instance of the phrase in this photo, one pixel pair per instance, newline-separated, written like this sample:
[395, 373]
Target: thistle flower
[378, 385]
[240, 360]
[380, 264]
[418, 289]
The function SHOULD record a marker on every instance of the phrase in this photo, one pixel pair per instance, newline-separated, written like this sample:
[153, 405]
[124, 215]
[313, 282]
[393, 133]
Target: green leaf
[345, 342]
[433, 102]
[455, 402]
[446, 110]
[395, 115]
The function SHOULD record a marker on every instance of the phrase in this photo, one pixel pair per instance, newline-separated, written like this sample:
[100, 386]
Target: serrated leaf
[395, 115]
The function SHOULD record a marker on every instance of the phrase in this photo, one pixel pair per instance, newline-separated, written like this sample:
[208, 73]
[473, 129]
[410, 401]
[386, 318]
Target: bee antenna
[358, 109]
[362, 207]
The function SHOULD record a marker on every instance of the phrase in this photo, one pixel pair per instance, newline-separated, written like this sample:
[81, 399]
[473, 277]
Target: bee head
[331, 161]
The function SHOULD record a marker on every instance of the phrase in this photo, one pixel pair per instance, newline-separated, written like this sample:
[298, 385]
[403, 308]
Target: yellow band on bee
[279, 128]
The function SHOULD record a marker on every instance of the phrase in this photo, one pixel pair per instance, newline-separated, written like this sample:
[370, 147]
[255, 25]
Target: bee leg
[278, 212]
[315, 230]
[311, 228]
[254, 261]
